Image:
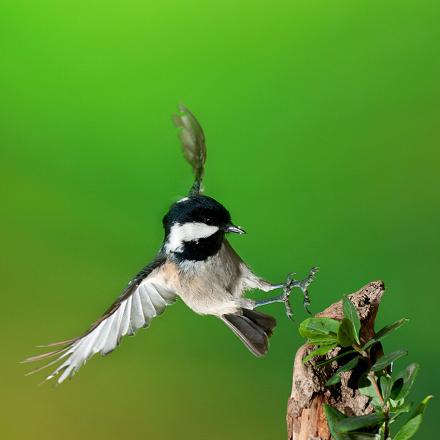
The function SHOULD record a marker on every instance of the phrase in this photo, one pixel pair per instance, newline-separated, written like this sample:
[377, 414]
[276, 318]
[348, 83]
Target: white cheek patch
[187, 232]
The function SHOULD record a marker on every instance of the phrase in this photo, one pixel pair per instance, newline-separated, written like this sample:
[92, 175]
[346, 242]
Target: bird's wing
[193, 143]
[145, 297]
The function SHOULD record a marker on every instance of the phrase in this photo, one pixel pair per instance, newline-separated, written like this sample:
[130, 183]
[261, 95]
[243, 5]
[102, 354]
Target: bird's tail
[253, 328]
[193, 144]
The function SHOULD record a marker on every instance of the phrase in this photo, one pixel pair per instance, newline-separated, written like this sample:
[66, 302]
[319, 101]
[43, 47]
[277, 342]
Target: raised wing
[193, 143]
[145, 297]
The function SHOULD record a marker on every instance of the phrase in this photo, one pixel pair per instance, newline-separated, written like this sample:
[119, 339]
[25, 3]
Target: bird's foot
[304, 284]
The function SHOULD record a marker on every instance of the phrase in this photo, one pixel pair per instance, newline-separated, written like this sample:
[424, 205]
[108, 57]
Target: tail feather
[193, 144]
[253, 328]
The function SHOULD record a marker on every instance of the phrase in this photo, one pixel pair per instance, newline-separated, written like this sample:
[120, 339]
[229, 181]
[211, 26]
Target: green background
[322, 127]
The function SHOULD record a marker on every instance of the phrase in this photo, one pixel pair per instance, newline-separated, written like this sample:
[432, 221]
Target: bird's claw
[304, 284]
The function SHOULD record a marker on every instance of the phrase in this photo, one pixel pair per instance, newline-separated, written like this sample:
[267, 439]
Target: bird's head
[195, 227]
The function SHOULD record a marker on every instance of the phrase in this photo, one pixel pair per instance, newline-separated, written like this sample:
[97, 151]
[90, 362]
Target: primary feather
[145, 298]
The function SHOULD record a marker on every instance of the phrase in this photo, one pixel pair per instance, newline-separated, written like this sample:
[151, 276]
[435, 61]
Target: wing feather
[147, 305]
[112, 339]
[158, 302]
[102, 337]
[145, 297]
[137, 313]
[126, 324]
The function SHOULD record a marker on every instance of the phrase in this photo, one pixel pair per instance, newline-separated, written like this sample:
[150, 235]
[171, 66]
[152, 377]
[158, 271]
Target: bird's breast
[214, 285]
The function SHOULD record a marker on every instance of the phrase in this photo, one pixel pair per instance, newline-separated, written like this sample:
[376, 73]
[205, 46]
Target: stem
[385, 407]
[363, 353]
[373, 381]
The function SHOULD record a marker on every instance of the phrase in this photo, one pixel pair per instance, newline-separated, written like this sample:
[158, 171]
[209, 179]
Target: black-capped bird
[195, 263]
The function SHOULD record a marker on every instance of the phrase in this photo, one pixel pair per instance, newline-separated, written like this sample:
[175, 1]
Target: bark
[305, 414]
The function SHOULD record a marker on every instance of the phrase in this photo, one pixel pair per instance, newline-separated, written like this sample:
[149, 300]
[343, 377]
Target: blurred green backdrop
[322, 127]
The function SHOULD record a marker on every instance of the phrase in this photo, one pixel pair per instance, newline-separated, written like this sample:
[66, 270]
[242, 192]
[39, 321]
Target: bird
[195, 263]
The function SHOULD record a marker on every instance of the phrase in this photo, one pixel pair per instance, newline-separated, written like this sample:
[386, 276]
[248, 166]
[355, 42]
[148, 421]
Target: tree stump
[305, 414]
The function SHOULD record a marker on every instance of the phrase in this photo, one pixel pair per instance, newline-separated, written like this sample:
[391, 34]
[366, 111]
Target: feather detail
[40, 357]
[57, 344]
[193, 144]
[141, 301]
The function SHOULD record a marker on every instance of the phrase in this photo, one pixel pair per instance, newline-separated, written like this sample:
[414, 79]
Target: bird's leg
[288, 286]
[282, 298]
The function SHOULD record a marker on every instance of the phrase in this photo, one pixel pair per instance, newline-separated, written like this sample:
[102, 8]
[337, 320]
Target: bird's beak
[235, 229]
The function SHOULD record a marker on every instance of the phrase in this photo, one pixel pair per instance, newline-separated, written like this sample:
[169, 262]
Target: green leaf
[333, 380]
[413, 424]
[409, 428]
[350, 365]
[386, 383]
[359, 422]
[387, 359]
[333, 416]
[325, 340]
[346, 336]
[381, 433]
[319, 328]
[404, 381]
[366, 388]
[329, 361]
[384, 332]
[350, 313]
[390, 328]
[422, 405]
[336, 378]
[324, 349]
[361, 436]
[401, 409]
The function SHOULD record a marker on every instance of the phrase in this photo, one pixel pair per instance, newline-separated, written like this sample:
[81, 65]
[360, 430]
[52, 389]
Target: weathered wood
[305, 415]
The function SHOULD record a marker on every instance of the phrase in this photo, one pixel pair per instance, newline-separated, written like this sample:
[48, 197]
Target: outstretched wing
[193, 143]
[145, 297]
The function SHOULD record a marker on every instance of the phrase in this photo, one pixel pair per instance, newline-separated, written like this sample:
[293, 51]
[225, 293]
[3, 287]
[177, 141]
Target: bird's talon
[289, 311]
[306, 307]
[303, 285]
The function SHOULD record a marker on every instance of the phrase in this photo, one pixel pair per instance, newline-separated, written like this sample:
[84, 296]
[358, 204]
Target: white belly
[214, 286]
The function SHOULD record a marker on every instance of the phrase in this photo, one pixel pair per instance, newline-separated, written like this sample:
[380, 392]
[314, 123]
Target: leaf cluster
[387, 393]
